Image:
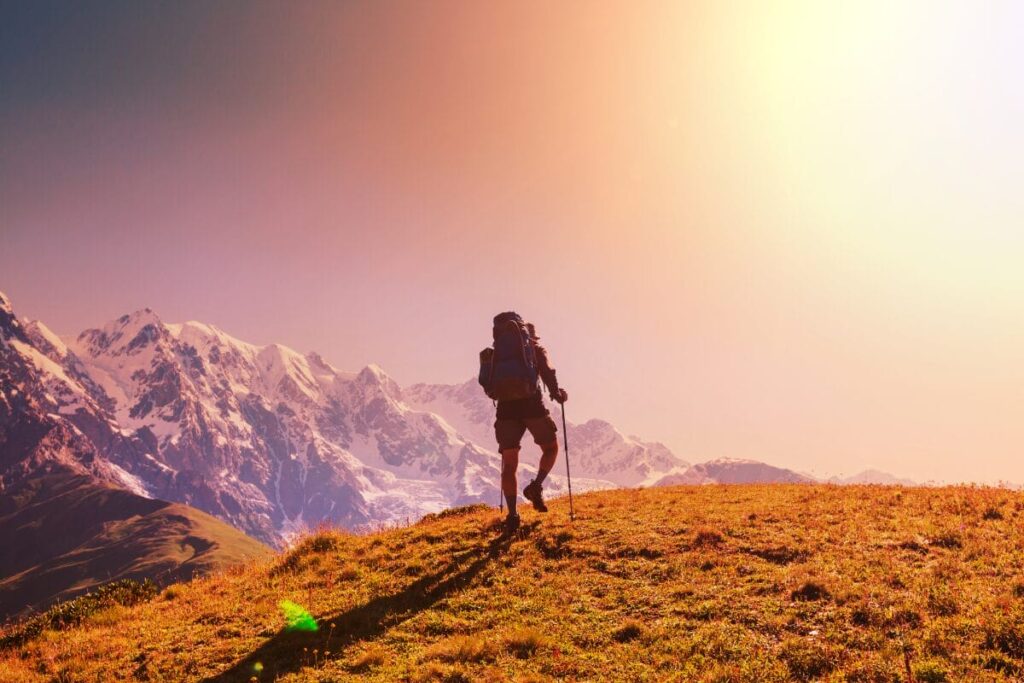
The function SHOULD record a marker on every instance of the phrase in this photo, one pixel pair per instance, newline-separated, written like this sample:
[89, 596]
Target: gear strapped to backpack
[508, 371]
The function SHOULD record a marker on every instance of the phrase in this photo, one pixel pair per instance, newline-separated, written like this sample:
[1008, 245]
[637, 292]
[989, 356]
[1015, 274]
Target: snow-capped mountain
[873, 477]
[266, 438]
[737, 471]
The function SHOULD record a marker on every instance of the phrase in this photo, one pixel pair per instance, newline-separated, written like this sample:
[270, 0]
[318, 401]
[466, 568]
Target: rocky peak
[597, 429]
[127, 335]
[10, 327]
[373, 376]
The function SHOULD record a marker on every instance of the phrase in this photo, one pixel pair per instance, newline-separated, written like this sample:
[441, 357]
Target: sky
[786, 231]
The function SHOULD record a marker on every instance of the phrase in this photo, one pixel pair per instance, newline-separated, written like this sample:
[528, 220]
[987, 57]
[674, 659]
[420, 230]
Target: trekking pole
[565, 439]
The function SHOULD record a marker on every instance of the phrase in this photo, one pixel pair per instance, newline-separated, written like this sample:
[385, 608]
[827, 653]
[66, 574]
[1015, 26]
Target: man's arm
[547, 374]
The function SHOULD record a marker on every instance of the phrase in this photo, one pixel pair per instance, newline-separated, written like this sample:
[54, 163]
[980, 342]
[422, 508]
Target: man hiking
[509, 374]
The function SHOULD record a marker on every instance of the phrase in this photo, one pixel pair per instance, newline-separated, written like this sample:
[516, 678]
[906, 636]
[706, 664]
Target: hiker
[508, 373]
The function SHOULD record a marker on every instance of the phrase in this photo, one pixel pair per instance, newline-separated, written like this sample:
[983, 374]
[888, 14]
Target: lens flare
[297, 617]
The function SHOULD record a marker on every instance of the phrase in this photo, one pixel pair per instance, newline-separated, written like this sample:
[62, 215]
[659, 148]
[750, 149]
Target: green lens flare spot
[297, 617]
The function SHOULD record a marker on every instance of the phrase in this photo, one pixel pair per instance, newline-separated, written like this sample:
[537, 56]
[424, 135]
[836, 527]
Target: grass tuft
[524, 642]
[372, 656]
[464, 649]
[807, 660]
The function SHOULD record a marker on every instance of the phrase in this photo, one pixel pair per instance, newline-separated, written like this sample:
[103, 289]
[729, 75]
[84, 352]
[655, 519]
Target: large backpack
[509, 370]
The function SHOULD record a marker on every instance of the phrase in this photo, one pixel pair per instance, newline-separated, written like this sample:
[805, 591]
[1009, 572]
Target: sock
[510, 501]
[540, 477]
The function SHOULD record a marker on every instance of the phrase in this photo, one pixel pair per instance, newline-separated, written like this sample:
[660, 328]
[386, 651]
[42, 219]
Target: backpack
[509, 370]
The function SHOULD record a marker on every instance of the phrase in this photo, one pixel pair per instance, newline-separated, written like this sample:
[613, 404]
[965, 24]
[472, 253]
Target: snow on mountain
[737, 471]
[873, 477]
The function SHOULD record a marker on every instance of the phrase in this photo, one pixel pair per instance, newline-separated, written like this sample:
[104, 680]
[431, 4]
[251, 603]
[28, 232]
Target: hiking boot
[534, 493]
[511, 523]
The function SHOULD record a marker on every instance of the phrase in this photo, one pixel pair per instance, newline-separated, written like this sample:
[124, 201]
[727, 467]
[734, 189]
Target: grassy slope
[708, 583]
[64, 534]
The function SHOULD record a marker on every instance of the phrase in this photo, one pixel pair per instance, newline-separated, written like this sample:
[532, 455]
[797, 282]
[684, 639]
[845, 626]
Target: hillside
[64, 534]
[706, 583]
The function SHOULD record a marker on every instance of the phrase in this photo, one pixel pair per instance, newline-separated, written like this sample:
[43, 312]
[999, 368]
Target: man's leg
[548, 456]
[509, 464]
[545, 435]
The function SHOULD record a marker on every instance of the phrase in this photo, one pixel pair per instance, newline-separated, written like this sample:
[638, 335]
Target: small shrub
[631, 630]
[915, 546]
[930, 672]
[321, 543]
[941, 601]
[906, 618]
[809, 592]
[348, 572]
[780, 555]
[997, 661]
[947, 539]
[992, 513]
[1004, 634]
[866, 615]
[707, 538]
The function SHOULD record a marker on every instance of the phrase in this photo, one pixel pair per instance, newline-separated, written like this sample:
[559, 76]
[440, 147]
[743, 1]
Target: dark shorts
[510, 431]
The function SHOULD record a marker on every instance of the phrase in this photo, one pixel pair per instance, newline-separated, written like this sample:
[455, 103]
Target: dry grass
[715, 583]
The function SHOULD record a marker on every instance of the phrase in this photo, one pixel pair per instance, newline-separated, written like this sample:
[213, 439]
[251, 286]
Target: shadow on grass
[289, 651]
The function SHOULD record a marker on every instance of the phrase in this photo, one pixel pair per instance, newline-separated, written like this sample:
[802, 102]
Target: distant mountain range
[263, 438]
[872, 477]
